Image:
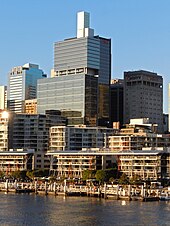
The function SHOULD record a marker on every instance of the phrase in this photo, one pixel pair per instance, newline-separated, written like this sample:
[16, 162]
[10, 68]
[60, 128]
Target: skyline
[140, 33]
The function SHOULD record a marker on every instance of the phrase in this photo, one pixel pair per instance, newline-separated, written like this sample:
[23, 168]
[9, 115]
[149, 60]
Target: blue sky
[139, 29]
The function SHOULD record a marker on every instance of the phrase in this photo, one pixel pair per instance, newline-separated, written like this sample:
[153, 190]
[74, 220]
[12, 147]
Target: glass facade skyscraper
[84, 65]
[22, 85]
[76, 93]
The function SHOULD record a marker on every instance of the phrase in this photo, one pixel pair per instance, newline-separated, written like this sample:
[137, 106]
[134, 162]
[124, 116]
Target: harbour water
[30, 209]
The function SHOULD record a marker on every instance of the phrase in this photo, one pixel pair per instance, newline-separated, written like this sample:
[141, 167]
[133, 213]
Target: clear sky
[139, 29]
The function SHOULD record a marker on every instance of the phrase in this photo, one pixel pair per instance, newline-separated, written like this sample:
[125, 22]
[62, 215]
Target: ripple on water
[23, 209]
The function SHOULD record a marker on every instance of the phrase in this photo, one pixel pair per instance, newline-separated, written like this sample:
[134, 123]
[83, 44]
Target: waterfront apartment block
[148, 165]
[143, 97]
[3, 97]
[63, 138]
[28, 131]
[22, 85]
[18, 160]
[32, 131]
[71, 164]
[81, 76]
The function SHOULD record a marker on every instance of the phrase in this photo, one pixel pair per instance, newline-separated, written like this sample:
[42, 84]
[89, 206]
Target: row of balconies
[74, 157]
[70, 170]
[6, 168]
[76, 163]
[140, 164]
[11, 157]
[132, 158]
[140, 171]
[12, 162]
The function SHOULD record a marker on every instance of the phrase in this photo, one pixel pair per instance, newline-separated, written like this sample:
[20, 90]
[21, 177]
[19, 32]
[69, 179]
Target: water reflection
[17, 209]
[123, 203]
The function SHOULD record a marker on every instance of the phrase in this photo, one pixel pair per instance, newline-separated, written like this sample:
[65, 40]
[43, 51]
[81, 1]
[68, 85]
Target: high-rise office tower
[143, 97]
[22, 85]
[3, 97]
[116, 102]
[81, 76]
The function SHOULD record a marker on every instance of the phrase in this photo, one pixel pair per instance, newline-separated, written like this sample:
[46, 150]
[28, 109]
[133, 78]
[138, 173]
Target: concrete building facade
[72, 164]
[143, 97]
[64, 138]
[137, 135]
[148, 165]
[18, 160]
[28, 131]
[3, 97]
[30, 106]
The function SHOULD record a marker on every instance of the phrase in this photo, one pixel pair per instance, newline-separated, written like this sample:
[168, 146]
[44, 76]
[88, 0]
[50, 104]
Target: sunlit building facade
[22, 85]
[18, 160]
[3, 97]
[30, 106]
[148, 165]
[73, 138]
[143, 97]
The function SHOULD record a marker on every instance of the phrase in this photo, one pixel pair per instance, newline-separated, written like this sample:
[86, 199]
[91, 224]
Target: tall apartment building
[137, 135]
[63, 138]
[116, 101]
[28, 131]
[81, 76]
[32, 131]
[148, 165]
[4, 130]
[3, 97]
[22, 85]
[143, 97]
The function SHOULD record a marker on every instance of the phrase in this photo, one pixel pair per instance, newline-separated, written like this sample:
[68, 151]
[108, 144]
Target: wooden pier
[107, 191]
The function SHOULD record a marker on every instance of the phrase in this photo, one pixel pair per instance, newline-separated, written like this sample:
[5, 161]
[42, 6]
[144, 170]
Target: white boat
[164, 198]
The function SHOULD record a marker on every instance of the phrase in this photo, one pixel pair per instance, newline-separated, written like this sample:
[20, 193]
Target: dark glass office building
[81, 77]
[116, 101]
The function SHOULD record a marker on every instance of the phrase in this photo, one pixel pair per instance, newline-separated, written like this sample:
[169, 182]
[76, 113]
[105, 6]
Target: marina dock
[107, 191]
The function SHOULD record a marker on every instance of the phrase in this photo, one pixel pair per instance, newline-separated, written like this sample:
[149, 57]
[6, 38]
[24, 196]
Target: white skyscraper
[83, 25]
[22, 85]
[3, 97]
